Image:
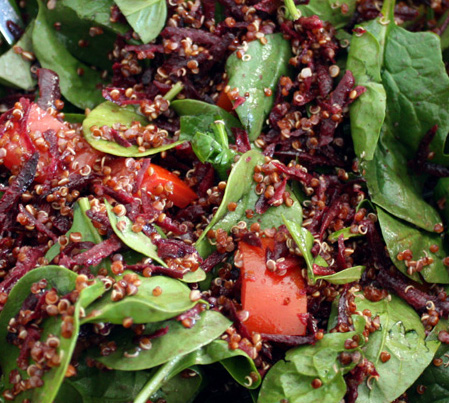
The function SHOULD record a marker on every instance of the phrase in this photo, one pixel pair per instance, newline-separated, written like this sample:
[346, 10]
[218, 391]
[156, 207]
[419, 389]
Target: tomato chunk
[182, 195]
[276, 304]
[224, 102]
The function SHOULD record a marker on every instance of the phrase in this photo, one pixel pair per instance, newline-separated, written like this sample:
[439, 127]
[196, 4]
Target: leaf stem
[157, 380]
[175, 90]
[388, 10]
[220, 132]
[292, 10]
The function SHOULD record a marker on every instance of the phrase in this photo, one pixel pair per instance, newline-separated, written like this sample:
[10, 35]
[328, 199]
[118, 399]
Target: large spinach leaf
[393, 188]
[241, 190]
[292, 379]
[266, 64]
[107, 114]
[63, 281]
[178, 341]
[400, 236]
[80, 90]
[402, 336]
[417, 87]
[147, 17]
[14, 69]
[144, 306]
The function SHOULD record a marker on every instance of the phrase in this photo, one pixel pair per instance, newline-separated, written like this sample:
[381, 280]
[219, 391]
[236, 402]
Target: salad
[224, 200]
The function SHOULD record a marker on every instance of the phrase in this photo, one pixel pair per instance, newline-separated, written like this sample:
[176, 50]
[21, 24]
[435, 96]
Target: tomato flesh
[276, 304]
[182, 194]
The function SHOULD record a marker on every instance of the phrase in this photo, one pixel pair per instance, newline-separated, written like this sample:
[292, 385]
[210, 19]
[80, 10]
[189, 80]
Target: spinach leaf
[435, 378]
[92, 385]
[400, 236]
[402, 336]
[147, 17]
[329, 10]
[137, 241]
[213, 147]
[441, 196]
[73, 28]
[143, 307]
[107, 114]
[82, 90]
[63, 280]
[197, 116]
[345, 276]
[304, 241]
[417, 87]
[14, 69]
[82, 224]
[292, 379]
[96, 12]
[266, 64]
[241, 190]
[393, 188]
[176, 343]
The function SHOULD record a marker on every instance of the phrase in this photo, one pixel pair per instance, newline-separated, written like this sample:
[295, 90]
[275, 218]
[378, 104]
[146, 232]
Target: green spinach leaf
[266, 64]
[80, 90]
[292, 379]
[441, 196]
[345, 276]
[346, 232]
[14, 69]
[147, 17]
[402, 336]
[143, 307]
[400, 236]
[330, 11]
[107, 114]
[176, 343]
[63, 280]
[137, 241]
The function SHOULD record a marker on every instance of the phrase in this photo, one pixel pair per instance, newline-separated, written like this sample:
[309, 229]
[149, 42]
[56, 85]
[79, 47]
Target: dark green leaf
[76, 19]
[147, 17]
[177, 342]
[107, 114]
[393, 188]
[82, 90]
[241, 190]
[400, 236]
[82, 224]
[14, 69]
[417, 87]
[292, 379]
[63, 280]
[402, 336]
[144, 307]
[345, 276]
[266, 65]
[137, 241]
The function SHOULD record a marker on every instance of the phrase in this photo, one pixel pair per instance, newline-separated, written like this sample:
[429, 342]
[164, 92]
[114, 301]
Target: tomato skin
[224, 102]
[276, 304]
[182, 194]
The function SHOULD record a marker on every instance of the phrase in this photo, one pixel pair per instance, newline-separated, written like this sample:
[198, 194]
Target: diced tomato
[276, 303]
[182, 194]
[22, 137]
[224, 102]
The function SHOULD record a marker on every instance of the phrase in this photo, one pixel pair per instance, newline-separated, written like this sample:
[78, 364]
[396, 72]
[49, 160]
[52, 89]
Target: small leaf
[107, 114]
[137, 241]
[263, 70]
[147, 17]
[346, 232]
[345, 276]
[143, 307]
[178, 341]
[330, 11]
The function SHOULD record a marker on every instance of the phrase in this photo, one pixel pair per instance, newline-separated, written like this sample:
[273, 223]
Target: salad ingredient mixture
[224, 200]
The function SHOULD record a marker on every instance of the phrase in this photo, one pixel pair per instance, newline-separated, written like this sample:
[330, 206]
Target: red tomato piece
[276, 304]
[182, 194]
[224, 102]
